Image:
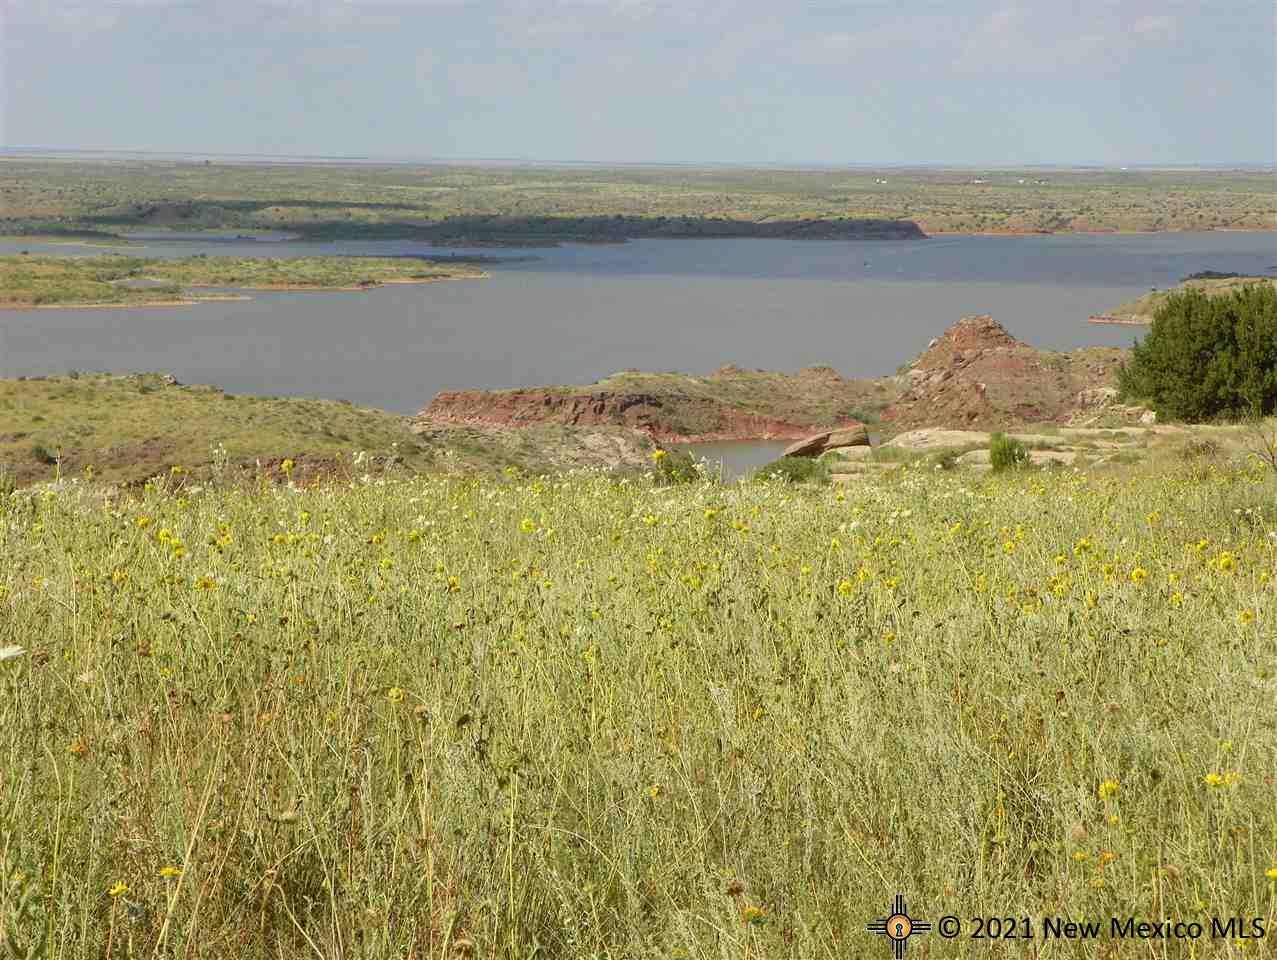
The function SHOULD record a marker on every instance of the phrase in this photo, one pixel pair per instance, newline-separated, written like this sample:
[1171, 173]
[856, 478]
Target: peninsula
[110, 280]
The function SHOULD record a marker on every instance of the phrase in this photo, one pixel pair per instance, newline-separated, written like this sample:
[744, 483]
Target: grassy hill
[129, 428]
[452, 716]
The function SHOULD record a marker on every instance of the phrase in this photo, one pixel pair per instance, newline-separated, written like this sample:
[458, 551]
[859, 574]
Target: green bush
[795, 470]
[1208, 357]
[43, 454]
[677, 467]
[1006, 453]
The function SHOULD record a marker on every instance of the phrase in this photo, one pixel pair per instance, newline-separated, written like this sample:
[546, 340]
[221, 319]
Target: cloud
[1154, 24]
[1015, 38]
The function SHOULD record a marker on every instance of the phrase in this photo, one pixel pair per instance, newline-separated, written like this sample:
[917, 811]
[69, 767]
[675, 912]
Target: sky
[821, 82]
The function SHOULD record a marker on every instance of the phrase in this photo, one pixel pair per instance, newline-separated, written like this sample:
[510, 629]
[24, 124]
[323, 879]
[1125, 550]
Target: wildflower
[753, 915]
[169, 872]
[1108, 789]
[1213, 780]
[1271, 874]
[119, 889]
[1139, 575]
[527, 525]
[287, 466]
[659, 455]
[710, 513]
[1246, 617]
[844, 587]
[1081, 856]
[395, 694]
[654, 791]
[1107, 857]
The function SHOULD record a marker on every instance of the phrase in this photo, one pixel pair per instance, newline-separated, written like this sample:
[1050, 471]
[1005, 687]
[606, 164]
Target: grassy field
[539, 204]
[79, 281]
[120, 429]
[588, 717]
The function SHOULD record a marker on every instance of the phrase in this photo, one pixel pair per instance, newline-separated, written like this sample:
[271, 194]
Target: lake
[576, 313]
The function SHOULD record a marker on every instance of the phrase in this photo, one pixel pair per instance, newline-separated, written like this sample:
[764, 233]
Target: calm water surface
[577, 313]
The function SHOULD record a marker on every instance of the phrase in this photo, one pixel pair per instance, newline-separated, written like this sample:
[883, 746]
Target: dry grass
[583, 717]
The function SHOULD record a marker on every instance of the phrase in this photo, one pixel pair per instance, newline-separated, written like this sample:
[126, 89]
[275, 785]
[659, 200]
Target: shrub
[1208, 357]
[43, 454]
[1006, 453]
[677, 467]
[795, 470]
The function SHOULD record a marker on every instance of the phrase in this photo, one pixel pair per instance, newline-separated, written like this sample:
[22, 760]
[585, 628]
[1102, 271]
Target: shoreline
[1092, 233]
[125, 240]
[349, 288]
[1118, 321]
[230, 297]
[106, 305]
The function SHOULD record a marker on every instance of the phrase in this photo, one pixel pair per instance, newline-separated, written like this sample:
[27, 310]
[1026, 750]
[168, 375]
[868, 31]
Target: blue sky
[986, 82]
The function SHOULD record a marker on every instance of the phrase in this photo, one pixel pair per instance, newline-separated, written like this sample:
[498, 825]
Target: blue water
[577, 313]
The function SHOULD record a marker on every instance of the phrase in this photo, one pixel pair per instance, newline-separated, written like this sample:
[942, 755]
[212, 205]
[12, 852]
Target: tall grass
[592, 718]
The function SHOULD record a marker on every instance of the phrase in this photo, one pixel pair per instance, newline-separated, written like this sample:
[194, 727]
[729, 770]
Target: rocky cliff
[729, 404]
[976, 375]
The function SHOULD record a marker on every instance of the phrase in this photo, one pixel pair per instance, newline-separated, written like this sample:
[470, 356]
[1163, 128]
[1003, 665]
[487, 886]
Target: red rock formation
[976, 375]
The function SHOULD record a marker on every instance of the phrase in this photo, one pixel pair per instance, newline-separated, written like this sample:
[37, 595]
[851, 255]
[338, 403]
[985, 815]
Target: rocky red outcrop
[976, 375]
[664, 417]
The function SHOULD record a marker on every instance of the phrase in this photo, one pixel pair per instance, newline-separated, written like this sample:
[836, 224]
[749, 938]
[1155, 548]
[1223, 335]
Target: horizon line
[402, 159]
